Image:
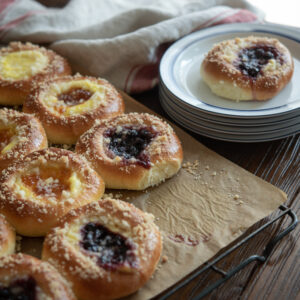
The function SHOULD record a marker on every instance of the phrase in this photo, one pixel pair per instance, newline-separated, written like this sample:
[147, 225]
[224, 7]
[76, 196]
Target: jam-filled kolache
[132, 151]
[251, 68]
[107, 249]
[24, 277]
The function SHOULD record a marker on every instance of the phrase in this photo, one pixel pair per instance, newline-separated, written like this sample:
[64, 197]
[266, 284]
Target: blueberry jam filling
[20, 289]
[130, 142]
[74, 96]
[252, 60]
[113, 249]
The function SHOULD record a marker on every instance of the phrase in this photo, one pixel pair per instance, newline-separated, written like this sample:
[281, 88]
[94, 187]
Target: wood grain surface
[279, 278]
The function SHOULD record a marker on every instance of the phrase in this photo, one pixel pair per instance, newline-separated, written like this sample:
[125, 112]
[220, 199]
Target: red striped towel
[122, 41]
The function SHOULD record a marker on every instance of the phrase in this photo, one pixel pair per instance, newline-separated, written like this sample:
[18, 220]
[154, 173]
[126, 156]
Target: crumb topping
[96, 141]
[20, 62]
[116, 216]
[20, 134]
[49, 181]
[36, 273]
[44, 101]
[164, 259]
[24, 287]
[232, 57]
[92, 95]
[5, 229]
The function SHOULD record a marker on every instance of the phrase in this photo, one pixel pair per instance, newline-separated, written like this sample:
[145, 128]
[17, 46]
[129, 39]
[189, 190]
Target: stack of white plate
[189, 101]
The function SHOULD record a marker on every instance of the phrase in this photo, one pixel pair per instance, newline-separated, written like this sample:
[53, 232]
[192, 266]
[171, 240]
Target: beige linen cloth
[120, 40]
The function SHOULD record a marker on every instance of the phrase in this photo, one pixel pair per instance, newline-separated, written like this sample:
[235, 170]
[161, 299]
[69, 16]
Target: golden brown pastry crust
[7, 237]
[164, 152]
[48, 183]
[14, 92]
[91, 281]
[65, 129]
[50, 284]
[219, 70]
[28, 136]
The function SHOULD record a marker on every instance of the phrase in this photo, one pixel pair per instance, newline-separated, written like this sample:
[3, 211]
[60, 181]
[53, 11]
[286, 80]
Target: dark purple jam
[114, 250]
[20, 289]
[252, 60]
[75, 96]
[130, 142]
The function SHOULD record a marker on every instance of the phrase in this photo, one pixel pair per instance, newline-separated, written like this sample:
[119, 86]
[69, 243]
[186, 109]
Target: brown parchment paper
[202, 209]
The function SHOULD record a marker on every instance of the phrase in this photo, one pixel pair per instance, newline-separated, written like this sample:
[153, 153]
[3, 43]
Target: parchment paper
[202, 209]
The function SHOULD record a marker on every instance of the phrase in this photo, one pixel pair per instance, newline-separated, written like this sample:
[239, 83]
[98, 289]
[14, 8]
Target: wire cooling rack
[284, 211]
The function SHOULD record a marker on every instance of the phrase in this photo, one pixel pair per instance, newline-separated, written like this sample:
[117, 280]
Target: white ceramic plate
[229, 137]
[178, 105]
[188, 116]
[180, 71]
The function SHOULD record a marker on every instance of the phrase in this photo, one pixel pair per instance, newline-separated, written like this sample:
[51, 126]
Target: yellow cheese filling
[10, 146]
[58, 107]
[8, 139]
[22, 64]
[49, 189]
[271, 66]
[73, 234]
[75, 184]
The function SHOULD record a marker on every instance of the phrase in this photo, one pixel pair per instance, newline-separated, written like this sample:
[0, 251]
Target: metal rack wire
[285, 211]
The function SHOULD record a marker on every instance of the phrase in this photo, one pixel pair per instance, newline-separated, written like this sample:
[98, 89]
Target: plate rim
[228, 120]
[290, 121]
[189, 122]
[234, 140]
[175, 49]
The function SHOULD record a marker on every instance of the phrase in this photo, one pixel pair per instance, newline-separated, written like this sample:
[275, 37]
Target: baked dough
[251, 68]
[20, 134]
[69, 106]
[106, 249]
[24, 65]
[132, 151]
[7, 237]
[44, 186]
[25, 277]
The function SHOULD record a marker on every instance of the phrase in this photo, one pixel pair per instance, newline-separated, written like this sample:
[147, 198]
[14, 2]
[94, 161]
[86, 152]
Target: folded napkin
[120, 40]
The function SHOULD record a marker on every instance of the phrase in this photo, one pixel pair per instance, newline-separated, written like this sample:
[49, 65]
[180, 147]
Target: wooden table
[279, 278]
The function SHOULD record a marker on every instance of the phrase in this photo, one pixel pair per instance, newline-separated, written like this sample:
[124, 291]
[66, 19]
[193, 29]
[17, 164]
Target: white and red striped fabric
[120, 40]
